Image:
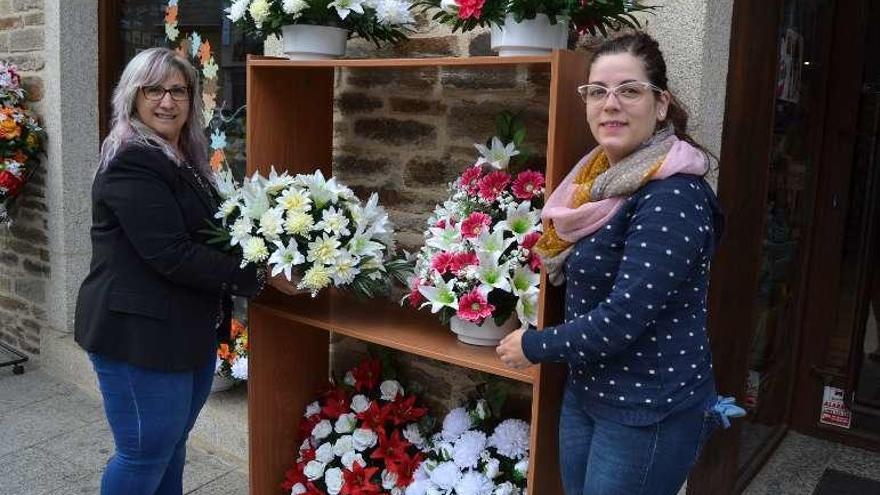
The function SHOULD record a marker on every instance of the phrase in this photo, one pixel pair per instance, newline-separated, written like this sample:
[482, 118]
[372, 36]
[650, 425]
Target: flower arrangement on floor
[474, 453]
[377, 21]
[593, 16]
[22, 139]
[232, 357]
[363, 436]
[308, 228]
[477, 261]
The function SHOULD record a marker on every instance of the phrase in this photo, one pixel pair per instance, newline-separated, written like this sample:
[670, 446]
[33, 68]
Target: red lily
[367, 374]
[357, 481]
[391, 449]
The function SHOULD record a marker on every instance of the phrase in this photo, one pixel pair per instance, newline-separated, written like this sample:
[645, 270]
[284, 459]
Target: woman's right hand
[280, 283]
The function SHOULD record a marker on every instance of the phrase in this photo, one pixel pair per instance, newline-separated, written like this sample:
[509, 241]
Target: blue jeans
[151, 414]
[600, 457]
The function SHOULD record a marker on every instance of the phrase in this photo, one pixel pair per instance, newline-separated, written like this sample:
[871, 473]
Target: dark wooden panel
[109, 60]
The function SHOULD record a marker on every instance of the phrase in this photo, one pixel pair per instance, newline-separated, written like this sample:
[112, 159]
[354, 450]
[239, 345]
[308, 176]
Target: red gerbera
[527, 184]
[440, 262]
[474, 307]
[470, 8]
[470, 178]
[415, 297]
[367, 374]
[493, 184]
[356, 481]
[462, 260]
[529, 242]
[474, 223]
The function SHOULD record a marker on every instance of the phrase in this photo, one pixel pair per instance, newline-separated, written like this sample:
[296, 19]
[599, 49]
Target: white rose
[306, 445]
[343, 445]
[492, 468]
[298, 489]
[324, 453]
[333, 479]
[312, 409]
[314, 470]
[522, 467]
[322, 429]
[349, 379]
[482, 409]
[389, 479]
[359, 403]
[413, 435]
[364, 438]
[390, 389]
[345, 423]
[349, 458]
[396, 491]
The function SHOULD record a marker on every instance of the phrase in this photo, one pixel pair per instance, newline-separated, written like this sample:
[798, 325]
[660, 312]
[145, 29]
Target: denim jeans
[601, 457]
[151, 414]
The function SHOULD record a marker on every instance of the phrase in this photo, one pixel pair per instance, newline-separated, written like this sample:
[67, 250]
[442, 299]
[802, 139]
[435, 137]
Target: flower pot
[308, 42]
[221, 383]
[486, 334]
[529, 37]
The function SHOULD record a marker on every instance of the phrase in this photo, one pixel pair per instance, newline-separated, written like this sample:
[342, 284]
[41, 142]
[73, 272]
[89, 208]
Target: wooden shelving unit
[290, 114]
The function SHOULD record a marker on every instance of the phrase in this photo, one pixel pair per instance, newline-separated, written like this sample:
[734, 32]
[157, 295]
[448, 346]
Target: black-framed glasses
[627, 93]
[156, 93]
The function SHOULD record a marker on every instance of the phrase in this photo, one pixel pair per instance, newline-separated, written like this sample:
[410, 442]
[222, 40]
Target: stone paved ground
[54, 440]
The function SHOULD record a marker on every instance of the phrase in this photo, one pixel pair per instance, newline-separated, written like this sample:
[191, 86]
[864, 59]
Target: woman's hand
[510, 350]
[281, 284]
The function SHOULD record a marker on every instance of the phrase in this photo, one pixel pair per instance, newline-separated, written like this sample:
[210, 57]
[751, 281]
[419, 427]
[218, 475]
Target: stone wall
[24, 252]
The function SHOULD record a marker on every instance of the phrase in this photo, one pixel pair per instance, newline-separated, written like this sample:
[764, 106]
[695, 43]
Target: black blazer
[155, 291]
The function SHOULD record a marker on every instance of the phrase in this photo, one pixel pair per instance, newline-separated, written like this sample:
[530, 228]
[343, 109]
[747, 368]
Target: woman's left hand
[510, 350]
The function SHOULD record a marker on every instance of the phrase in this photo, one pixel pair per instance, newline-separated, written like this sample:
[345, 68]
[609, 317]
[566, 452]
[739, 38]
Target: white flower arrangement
[308, 226]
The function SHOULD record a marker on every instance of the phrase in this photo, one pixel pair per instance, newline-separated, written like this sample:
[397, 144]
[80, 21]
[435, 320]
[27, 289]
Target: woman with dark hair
[157, 297]
[632, 230]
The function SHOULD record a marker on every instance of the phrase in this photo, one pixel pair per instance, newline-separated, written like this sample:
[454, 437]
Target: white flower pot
[308, 42]
[529, 37]
[487, 334]
[221, 383]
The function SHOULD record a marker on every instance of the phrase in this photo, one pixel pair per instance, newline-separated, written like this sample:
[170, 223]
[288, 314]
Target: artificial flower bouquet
[232, 357]
[474, 453]
[22, 139]
[593, 16]
[362, 437]
[377, 21]
[310, 229]
[477, 261]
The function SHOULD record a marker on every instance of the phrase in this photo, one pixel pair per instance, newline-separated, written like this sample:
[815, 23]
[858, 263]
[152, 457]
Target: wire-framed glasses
[627, 93]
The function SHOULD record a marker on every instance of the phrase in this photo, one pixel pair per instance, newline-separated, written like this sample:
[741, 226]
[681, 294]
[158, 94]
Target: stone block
[33, 290]
[8, 23]
[419, 106]
[351, 102]
[426, 46]
[415, 79]
[8, 259]
[33, 19]
[481, 45]
[476, 120]
[27, 39]
[30, 234]
[31, 62]
[11, 304]
[355, 165]
[494, 78]
[395, 131]
[22, 5]
[427, 171]
[35, 268]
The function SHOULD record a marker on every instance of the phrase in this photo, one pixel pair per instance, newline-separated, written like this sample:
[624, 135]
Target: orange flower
[216, 162]
[237, 328]
[205, 52]
[9, 129]
[223, 351]
[171, 14]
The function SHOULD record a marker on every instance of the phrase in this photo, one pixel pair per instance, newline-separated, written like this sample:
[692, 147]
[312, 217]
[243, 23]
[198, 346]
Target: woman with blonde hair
[157, 296]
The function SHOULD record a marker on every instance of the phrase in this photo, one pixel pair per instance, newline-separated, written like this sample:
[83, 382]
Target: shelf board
[387, 324]
[257, 62]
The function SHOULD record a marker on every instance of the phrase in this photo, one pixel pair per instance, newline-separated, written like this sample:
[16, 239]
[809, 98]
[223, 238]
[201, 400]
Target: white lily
[525, 280]
[225, 182]
[494, 242]
[323, 191]
[285, 258]
[521, 220]
[441, 295]
[253, 193]
[498, 156]
[345, 7]
[444, 239]
[527, 308]
[491, 275]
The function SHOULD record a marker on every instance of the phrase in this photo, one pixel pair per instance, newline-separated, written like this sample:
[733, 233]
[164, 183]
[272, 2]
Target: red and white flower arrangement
[477, 261]
[361, 437]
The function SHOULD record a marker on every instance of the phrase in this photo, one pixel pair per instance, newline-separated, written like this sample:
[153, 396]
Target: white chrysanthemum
[455, 423]
[413, 435]
[360, 403]
[345, 7]
[271, 223]
[351, 457]
[312, 409]
[322, 430]
[446, 476]
[506, 488]
[344, 269]
[418, 487]
[241, 231]
[240, 368]
[466, 453]
[295, 199]
[237, 9]
[333, 480]
[314, 470]
[333, 221]
[255, 250]
[227, 208]
[449, 6]
[390, 389]
[345, 423]
[294, 7]
[298, 223]
[391, 12]
[511, 438]
[324, 453]
[364, 439]
[474, 483]
[343, 445]
[323, 250]
[259, 11]
[316, 278]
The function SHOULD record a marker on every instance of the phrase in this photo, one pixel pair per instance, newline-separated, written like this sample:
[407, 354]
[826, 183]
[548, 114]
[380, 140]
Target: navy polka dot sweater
[634, 335]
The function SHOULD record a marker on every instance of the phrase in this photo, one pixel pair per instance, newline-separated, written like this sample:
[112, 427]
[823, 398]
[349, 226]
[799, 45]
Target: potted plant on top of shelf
[535, 27]
[319, 29]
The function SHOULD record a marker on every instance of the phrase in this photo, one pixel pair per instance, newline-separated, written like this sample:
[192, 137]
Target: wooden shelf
[389, 325]
[260, 62]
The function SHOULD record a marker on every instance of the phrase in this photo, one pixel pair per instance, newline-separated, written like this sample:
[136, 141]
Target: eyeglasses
[628, 93]
[156, 93]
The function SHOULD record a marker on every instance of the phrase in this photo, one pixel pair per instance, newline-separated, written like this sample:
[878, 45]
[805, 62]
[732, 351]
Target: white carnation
[237, 9]
[455, 423]
[345, 423]
[474, 483]
[334, 481]
[322, 429]
[390, 389]
[240, 368]
[418, 487]
[364, 439]
[324, 453]
[511, 438]
[466, 453]
[446, 475]
[359, 403]
[343, 445]
[506, 488]
[314, 470]
[312, 409]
